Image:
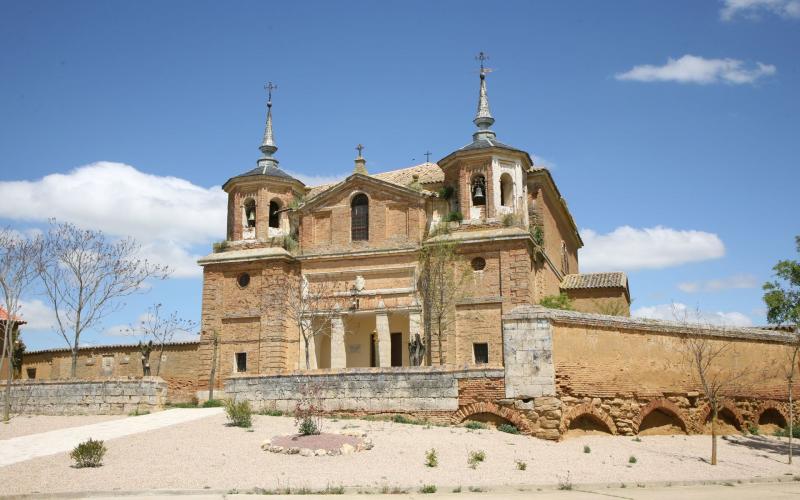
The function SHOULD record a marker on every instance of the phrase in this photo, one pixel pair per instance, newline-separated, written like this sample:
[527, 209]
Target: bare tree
[85, 275]
[790, 368]
[161, 328]
[19, 257]
[442, 282]
[311, 306]
[214, 354]
[716, 375]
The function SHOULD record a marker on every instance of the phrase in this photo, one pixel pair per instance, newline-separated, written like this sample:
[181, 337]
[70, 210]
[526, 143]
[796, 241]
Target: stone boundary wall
[87, 397]
[418, 390]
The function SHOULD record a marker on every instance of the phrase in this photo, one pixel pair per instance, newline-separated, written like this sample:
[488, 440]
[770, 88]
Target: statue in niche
[416, 351]
[146, 349]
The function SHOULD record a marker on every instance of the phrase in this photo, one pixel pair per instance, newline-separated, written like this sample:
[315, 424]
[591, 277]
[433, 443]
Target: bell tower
[489, 176]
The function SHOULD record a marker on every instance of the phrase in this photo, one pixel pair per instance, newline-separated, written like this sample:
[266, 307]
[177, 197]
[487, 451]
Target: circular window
[243, 280]
[478, 264]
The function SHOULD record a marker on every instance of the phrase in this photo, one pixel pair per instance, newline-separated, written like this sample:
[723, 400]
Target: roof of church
[595, 280]
[4, 317]
[429, 173]
[268, 171]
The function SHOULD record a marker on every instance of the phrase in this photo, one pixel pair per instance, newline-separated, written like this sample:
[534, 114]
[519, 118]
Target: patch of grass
[521, 465]
[475, 458]
[637, 439]
[511, 429]
[191, 404]
[565, 483]
[403, 419]
[728, 484]
[333, 490]
[476, 489]
[632, 459]
[752, 429]
[213, 403]
[431, 460]
[473, 425]
[271, 412]
[428, 488]
[89, 453]
[457, 489]
[586, 449]
[137, 412]
[239, 414]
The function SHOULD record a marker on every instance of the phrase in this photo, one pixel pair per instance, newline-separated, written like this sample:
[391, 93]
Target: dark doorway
[397, 349]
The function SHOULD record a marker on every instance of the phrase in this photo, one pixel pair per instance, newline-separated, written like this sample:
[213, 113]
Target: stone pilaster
[338, 353]
[384, 339]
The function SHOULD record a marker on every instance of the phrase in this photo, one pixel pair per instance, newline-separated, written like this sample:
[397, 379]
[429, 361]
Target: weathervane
[483, 57]
[269, 87]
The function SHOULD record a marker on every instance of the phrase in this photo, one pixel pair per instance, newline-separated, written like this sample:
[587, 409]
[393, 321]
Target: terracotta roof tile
[4, 317]
[595, 280]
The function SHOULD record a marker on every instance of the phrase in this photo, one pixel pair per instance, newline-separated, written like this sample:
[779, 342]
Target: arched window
[478, 190]
[506, 190]
[274, 215]
[250, 213]
[359, 217]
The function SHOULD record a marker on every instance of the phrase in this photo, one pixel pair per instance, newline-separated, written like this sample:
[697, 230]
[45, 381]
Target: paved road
[747, 491]
[31, 446]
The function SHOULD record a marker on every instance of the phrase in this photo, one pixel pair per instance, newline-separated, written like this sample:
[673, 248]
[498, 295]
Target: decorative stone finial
[483, 118]
[268, 147]
[361, 163]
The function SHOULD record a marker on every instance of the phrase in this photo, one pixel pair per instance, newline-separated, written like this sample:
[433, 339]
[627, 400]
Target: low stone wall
[87, 397]
[419, 390]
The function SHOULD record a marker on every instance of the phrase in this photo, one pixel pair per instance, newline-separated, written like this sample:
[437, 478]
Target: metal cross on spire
[269, 87]
[360, 148]
[427, 156]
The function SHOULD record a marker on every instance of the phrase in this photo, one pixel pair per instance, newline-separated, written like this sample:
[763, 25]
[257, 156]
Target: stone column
[338, 353]
[312, 358]
[384, 337]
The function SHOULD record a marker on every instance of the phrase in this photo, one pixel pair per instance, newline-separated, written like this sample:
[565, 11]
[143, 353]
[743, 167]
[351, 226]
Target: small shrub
[191, 404]
[454, 217]
[521, 465]
[270, 412]
[428, 488]
[475, 425]
[632, 460]
[220, 246]
[239, 414]
[560, 301]
[88, 454]
[752, 429]
[137, 412]
[446, 192]
[537, 234]
[308, 427]
[565, 483]
[476, 489]
[213, 403]
[509, 220]
[637, 439]
[586, 449]
[511, 429]
[457, 489]
[332, 490]
[402, 419]
[476, 457]
[431, 460]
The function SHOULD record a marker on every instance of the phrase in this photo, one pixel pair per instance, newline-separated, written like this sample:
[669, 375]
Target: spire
[483, 118]
[361, 163]
[268, 147]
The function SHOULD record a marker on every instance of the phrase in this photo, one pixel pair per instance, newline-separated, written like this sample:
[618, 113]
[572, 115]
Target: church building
[360, 239]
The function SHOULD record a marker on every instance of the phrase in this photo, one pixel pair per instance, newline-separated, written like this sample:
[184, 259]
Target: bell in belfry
[478, 193]
[251, 217]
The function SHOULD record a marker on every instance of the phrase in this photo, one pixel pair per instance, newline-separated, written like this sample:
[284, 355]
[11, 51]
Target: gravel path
[206, 453]
[24, 448]
[32, 424]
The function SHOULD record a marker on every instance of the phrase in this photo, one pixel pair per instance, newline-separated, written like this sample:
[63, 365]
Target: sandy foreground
[207, 454]
[24, 425]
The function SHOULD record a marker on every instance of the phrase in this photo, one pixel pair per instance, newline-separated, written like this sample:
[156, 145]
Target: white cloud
[317, 180]
[627, 248]
[38, 315]
[543, 162]
[681, 312]
[753, 8]
[716, 285]
[167, 215]
[694, 69]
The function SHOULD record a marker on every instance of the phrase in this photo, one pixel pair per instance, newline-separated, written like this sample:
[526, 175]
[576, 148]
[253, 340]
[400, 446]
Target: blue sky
[671, 128]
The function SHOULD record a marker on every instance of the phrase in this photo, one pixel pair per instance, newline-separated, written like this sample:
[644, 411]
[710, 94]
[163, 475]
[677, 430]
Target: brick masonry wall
[81, 397]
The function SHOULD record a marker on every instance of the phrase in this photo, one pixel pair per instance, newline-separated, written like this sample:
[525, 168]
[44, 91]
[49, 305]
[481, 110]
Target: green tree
[560, 301]
[782, 297]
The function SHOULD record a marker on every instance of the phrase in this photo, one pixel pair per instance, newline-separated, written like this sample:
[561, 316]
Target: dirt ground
[206, 453]
[24, 424]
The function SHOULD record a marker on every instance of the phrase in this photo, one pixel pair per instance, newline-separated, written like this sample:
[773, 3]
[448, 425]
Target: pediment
[366, 184]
